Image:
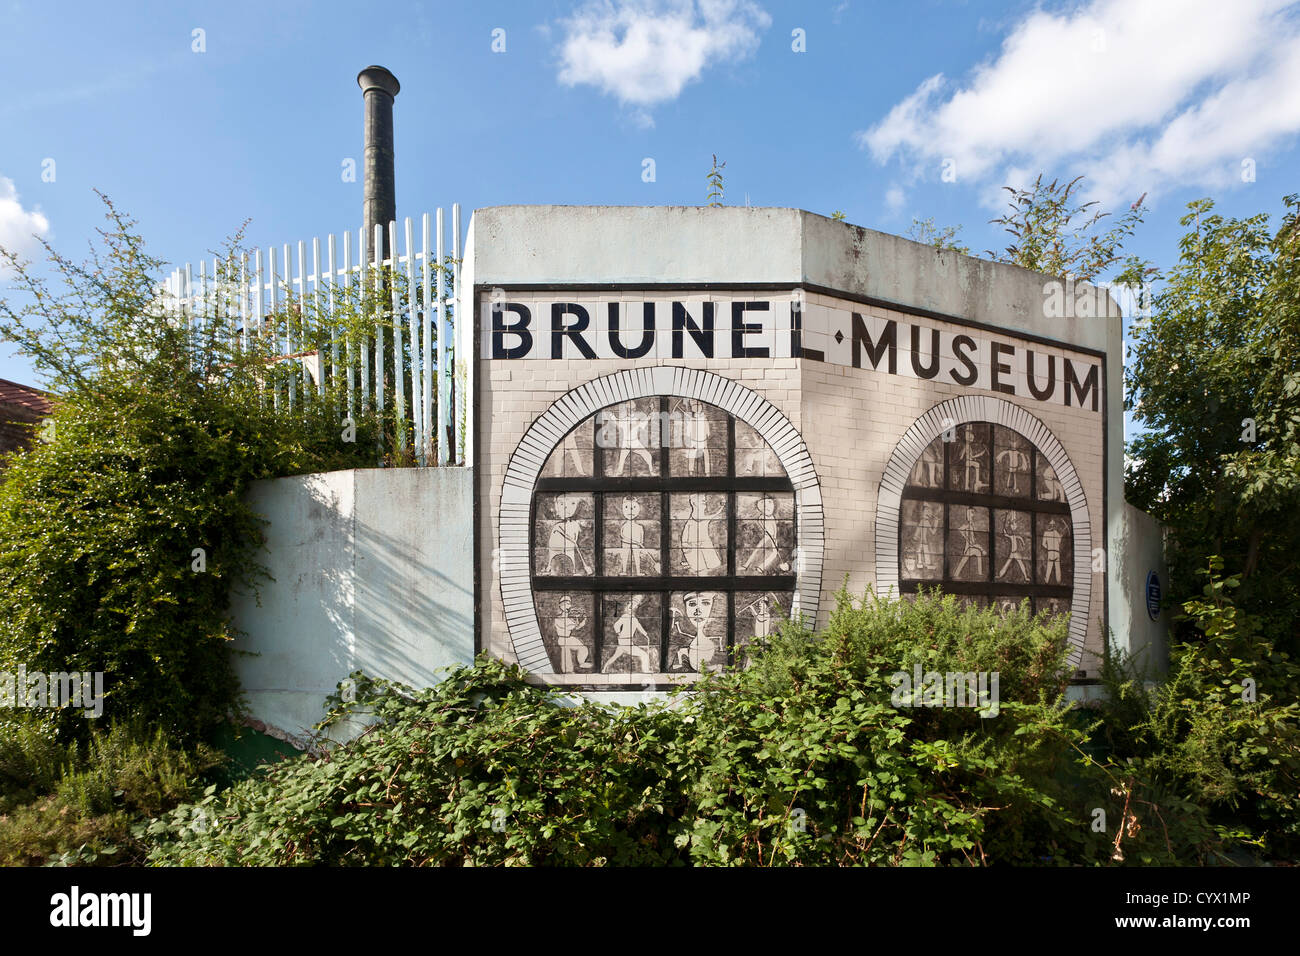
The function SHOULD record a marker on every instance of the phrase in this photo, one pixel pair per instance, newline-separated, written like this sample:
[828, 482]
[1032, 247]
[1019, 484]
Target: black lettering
[958, 343]
[559, 330]
[888, 340]
[996, 368]
[520, 328]
[1080, 391]
[1041, 394]
[797, 349]
[647, 335]
[703, 335]
[739, 328]
[920, 370]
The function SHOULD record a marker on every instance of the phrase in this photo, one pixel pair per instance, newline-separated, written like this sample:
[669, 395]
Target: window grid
[664, 584]
[948, 497]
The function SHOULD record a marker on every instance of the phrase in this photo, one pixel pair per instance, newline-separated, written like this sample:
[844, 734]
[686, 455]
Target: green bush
[1222, 731]
[123, 532]
[77, 803]
[802, 758]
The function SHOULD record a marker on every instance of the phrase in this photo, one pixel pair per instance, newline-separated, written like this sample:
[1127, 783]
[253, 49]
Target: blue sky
[1175, 100]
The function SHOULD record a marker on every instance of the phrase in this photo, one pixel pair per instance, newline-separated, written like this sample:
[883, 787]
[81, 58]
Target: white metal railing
[264, 282]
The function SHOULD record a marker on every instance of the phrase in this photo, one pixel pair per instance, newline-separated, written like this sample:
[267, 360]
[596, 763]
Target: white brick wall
[850, 419]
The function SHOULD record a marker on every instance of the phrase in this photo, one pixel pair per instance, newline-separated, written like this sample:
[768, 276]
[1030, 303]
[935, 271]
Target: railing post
[413, 322]
[399, 377]
[458, 336]
[444, 434]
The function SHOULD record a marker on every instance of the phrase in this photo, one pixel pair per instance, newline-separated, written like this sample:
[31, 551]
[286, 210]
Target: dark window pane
[697, 439]
[765, 533]
[629, 439]
[565, 619]
[1055, 550]
[968, 543]
[928, 470]
[969, 459]
[572, 458]
[1049, 486]
[564, 541]
[632, 535]
[1012, 553]
[922, 553]
[698, 533]
[632, 633]
[1012, 458]
[697, 631]
[755, 457]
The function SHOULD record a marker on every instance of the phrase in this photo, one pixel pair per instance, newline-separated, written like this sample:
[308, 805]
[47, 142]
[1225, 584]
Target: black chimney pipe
[379, 190]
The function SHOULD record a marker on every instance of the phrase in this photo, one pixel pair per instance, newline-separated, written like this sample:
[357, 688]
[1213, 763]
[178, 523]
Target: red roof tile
[11, 393]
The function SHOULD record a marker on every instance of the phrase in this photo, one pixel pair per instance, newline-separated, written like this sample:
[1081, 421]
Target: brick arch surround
[574, 407]
[959, 411]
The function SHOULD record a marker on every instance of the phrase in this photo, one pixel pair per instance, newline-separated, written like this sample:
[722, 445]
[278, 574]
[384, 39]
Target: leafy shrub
[160, 427]
[801, 758]
[77, 803]
[1223, 730]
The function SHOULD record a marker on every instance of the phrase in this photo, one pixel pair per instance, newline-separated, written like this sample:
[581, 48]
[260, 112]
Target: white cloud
[19, 226]
[1139, 95]
[895, 199]
[645, 51]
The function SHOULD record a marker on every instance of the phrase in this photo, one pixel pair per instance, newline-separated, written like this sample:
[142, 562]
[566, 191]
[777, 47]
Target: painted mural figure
[698, 548]
[569, 447]
[695, 439]
[1012, 529]
[632, 547]
[699, 608]
[971, 455]
[927, 538]
[749, 464]
[626, 629]
[971, 547]
[631, 441]
[567, 624]
[761, 611]
[1017, 463]
[563, 542]
[1054, 490]
[1052, 538]
[767, 547]
[930, 467]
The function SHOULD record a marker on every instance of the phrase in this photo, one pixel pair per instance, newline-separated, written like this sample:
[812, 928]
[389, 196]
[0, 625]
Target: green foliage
[1223, 730]
[77, 803]
[122, 535]
[925, 231]
[800, 758]
[1222, 350]
[1050, 233]
[1054, 234]
[715, 182]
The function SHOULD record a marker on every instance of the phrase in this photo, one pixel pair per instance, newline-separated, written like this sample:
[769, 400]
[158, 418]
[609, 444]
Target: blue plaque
[1153, 595]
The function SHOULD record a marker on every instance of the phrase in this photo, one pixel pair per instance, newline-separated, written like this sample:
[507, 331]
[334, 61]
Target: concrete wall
[525, 248]
[1138, 550]
[373, 571]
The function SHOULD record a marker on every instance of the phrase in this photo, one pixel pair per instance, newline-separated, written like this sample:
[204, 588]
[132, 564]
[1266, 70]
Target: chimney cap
[378, 78]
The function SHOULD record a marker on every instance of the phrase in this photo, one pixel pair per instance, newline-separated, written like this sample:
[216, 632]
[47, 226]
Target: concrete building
[690, 422]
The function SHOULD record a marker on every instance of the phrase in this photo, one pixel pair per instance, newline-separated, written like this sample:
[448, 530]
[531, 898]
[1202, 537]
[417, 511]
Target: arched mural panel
[652, 522]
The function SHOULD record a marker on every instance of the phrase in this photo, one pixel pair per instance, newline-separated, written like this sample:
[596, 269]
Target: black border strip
[777, 287]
